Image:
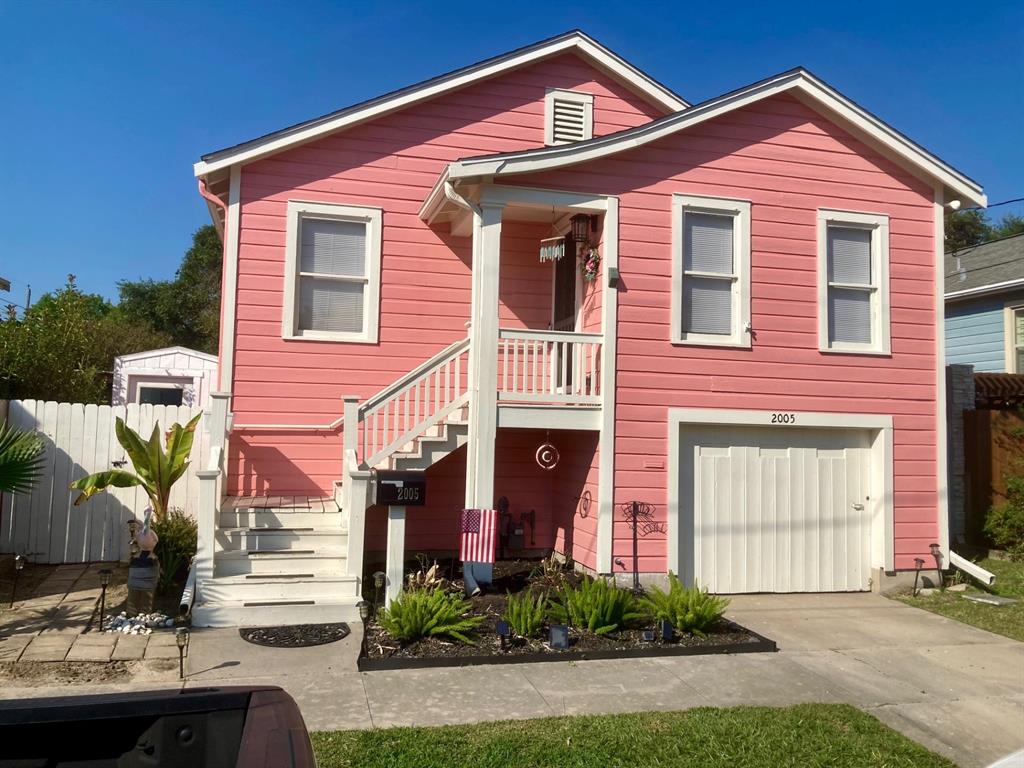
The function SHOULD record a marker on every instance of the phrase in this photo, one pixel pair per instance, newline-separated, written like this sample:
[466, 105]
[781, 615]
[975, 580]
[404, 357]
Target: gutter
[971, 569]
[213, 201]
[985, 289]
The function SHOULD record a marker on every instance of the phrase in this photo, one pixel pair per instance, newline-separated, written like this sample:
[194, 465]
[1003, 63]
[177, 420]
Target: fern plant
[525, 613]
[419, 613]
[596, 605]
[690, 609]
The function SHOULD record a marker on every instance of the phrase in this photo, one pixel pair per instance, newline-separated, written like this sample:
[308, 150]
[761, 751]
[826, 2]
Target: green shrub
[1005, 524]
[596, 605]
[525, 613]
[690, 609]
[419, 613]
[176, 547]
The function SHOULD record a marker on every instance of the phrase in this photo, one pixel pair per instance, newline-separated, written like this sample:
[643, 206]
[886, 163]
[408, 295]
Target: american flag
[479, 532]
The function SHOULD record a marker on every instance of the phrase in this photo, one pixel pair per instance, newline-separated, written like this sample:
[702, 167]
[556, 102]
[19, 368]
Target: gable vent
[568, 117]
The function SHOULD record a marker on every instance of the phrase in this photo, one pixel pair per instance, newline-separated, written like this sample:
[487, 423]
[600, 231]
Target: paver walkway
[50, 624]
[955, 689]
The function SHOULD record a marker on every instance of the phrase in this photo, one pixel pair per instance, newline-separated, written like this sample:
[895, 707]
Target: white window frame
[372, 218]
[878, 225]
[740, 211]
[580, 97]
[180, 386]
[1010, 335]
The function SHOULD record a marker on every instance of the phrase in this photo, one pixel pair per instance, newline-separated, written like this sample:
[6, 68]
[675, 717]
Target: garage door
[775, 509]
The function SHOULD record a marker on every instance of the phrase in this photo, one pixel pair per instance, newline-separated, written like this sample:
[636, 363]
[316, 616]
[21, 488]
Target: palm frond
[21, 459]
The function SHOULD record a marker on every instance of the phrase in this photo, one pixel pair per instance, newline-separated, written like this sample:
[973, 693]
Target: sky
[105, 106]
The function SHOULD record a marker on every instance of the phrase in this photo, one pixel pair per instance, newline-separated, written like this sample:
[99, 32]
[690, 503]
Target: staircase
[289, 560]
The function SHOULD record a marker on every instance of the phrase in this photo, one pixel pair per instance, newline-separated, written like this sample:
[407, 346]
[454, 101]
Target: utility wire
[995, 205]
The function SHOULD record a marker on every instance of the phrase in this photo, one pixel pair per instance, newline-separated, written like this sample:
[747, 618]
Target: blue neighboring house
[985, 306]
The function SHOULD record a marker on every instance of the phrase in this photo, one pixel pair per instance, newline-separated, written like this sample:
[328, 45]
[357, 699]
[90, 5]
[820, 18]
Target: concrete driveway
[956, 689]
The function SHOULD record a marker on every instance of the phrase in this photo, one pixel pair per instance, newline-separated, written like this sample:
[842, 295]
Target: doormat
[296, 635]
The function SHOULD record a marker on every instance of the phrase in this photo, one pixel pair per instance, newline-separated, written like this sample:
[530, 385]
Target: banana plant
[21, 459]
[156, 469]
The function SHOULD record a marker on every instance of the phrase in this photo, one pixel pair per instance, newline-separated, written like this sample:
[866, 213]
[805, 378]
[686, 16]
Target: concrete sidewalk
[953, 688]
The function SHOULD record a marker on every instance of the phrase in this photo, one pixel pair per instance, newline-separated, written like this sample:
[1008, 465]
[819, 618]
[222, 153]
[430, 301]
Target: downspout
[212, 199]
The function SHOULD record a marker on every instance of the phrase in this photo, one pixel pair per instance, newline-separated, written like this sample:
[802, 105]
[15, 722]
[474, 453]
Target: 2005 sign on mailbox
[783, 418]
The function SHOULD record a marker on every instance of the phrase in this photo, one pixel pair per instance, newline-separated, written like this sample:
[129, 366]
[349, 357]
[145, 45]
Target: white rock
[169, 623]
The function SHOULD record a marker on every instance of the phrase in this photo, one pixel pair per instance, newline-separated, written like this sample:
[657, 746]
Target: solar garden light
[181, 638]
[19, 566]
[504, 632]
[937, 554]
[918, 565]
[364, 610]
[559, 636]
[666, 630]
[648, 636]
[104, 583]
[378, 583]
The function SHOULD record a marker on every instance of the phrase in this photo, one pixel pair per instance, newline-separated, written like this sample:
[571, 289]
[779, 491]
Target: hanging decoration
[552, 249]
[590, 261]
[547, 454]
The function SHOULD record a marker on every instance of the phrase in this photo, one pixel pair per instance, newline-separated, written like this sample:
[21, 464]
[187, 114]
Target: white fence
[80, 440]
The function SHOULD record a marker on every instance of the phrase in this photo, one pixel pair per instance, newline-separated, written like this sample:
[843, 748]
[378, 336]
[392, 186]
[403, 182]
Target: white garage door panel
[776, 510]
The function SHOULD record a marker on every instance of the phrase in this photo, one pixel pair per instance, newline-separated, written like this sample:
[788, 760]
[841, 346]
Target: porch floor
[297, 503]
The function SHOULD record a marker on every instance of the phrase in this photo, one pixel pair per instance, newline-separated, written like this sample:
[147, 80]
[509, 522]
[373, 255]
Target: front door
[563, 312]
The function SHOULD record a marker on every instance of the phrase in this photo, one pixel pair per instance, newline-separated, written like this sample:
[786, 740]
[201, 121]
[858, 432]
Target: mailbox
[401, 489]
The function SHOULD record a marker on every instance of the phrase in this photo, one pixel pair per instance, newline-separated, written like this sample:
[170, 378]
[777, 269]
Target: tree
[965, 229]
[63, 347]
[187, 308]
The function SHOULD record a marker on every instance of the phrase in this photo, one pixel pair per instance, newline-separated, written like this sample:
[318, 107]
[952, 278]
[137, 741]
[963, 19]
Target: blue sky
[107, 105]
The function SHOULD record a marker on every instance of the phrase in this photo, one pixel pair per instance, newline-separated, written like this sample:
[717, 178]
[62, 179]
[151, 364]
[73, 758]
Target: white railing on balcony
[416, 402]
[549, 367]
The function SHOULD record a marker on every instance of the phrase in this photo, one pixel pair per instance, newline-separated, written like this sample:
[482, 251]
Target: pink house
[729, 311]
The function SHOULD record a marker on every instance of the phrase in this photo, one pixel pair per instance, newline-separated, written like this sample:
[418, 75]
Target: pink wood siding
[788, 161]
[576, 474]
[391, 163]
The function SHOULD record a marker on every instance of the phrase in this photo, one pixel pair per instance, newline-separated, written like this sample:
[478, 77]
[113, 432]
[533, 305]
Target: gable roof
[147, 353]
[798, 82]
[574, 41]
[987, 268]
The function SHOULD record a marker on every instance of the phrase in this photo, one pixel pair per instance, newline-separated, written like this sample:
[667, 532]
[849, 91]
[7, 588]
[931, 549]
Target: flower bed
[382, 651]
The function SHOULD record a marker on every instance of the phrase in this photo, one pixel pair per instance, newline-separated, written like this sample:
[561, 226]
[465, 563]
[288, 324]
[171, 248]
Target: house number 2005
[783, 418]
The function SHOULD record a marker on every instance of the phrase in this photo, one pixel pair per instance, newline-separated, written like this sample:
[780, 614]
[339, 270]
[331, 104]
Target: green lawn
[1005, 620]
[808, 735]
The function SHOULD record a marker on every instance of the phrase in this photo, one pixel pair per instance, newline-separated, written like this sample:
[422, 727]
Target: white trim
[519, 416]
[881, 427]
[983, 289]
[801, 82]
[232, 228]
[1010, 335]
[574, 41]
[739, 210]
[167, 351]
[535, 197]
[941, 439]
[372, 218]
[606, 440]
[577, 97]
[878, 224]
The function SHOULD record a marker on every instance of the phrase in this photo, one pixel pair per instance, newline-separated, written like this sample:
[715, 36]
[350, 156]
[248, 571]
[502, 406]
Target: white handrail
[554, 367]
[516, 333]
[419, 372]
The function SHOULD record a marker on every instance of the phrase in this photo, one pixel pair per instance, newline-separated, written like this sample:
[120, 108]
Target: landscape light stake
[181, 638]
[104, 583]
[937, 554]
[918, 565]
[378, 582]
[19, 566]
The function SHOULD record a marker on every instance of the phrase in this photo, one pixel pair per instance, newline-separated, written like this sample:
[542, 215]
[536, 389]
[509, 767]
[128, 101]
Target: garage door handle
[857, 506]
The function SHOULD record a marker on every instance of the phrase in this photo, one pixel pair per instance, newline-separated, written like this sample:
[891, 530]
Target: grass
[1005, 620]
[834, 735]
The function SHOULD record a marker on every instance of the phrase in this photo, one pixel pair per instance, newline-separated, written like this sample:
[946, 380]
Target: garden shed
[169, 376]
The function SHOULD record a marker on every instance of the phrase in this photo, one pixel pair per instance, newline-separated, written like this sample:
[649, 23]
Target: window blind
[332, 247]
[709, 243]
[708, 248]
[330, 305]
[849, 255]
[849, 265]
[707, 305]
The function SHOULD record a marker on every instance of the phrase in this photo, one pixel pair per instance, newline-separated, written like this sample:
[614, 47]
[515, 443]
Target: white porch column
[483, 358]
[395, 554]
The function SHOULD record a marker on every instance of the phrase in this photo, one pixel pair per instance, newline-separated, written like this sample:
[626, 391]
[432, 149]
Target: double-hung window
[332, 277]
[711, 271]
[1015, 339]
[853, 282]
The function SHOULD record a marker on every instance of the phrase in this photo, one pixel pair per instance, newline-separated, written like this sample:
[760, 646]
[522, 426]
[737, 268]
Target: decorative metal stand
[639, 516]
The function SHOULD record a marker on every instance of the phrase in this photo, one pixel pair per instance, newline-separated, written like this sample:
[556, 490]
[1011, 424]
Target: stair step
[286, 563]
[279, 539]
[236, 613]
[271, 587]
[240, 518]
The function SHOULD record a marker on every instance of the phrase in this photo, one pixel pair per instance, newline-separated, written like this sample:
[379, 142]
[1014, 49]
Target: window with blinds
[711, 293]
[333, 272]
[1018, 340]
[568, 116]
[853, 282]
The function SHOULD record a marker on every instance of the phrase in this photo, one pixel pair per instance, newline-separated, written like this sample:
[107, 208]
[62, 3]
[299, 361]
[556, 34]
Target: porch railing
[549, 367]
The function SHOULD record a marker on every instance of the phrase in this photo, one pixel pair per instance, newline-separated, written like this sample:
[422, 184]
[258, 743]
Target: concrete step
[329, 562]
[257, 588]
[278, 518]
[274, 612]
[279, 539]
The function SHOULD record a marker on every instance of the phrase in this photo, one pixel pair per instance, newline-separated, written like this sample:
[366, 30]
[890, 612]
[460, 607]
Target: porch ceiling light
[580, 227]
